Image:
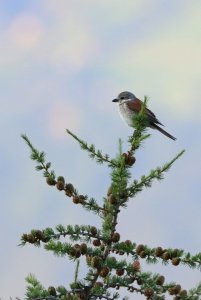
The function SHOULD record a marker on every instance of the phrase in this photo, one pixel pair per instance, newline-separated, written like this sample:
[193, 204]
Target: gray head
[124, 97]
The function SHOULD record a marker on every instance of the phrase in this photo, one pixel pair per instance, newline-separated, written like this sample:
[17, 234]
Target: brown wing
[136, 104]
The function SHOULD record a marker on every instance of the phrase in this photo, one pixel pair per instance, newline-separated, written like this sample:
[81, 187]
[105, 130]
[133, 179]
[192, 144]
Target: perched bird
[129, 106]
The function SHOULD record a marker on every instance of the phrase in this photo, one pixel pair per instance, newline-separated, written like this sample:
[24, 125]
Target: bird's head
[124, 97]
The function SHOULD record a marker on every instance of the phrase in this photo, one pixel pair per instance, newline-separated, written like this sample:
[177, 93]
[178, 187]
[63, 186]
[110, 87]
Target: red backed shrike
[129, 106]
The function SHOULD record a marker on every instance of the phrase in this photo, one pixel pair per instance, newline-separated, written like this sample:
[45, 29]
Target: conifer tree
[107, 275]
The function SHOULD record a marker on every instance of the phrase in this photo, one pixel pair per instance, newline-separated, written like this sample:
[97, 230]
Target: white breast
[126, 114]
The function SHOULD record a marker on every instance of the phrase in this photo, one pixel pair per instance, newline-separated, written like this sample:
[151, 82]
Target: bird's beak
[115, 100]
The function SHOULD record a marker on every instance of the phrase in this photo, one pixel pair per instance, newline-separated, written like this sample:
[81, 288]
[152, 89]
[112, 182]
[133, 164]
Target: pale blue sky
[61, 64]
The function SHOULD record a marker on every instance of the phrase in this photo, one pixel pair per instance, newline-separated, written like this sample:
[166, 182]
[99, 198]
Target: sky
[61, 64]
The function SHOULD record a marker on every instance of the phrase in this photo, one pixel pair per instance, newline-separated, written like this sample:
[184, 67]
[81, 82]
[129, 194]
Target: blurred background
[61, 64]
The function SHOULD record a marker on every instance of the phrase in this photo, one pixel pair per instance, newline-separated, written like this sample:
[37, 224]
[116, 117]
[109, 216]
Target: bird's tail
[163, 131]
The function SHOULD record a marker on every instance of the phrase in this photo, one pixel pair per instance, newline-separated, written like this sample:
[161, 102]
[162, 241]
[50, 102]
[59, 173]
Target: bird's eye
[122, 98]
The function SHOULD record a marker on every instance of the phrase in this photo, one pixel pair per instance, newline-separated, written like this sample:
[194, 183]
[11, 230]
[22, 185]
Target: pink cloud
[62, 116]
[25, 31]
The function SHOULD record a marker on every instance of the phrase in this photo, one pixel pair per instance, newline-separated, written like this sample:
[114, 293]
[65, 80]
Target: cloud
[122, 12]
[73, 49]
[67, 45]
[25, 31]
[20, 39]
[61, 116]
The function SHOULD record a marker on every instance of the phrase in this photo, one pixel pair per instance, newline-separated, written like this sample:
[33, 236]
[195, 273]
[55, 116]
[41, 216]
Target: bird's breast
[126, 114]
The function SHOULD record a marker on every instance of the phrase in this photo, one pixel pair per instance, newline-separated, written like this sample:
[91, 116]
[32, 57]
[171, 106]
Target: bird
[129, 106]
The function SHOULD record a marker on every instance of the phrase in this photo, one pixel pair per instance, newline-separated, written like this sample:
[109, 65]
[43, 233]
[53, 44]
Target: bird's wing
[135, 105]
